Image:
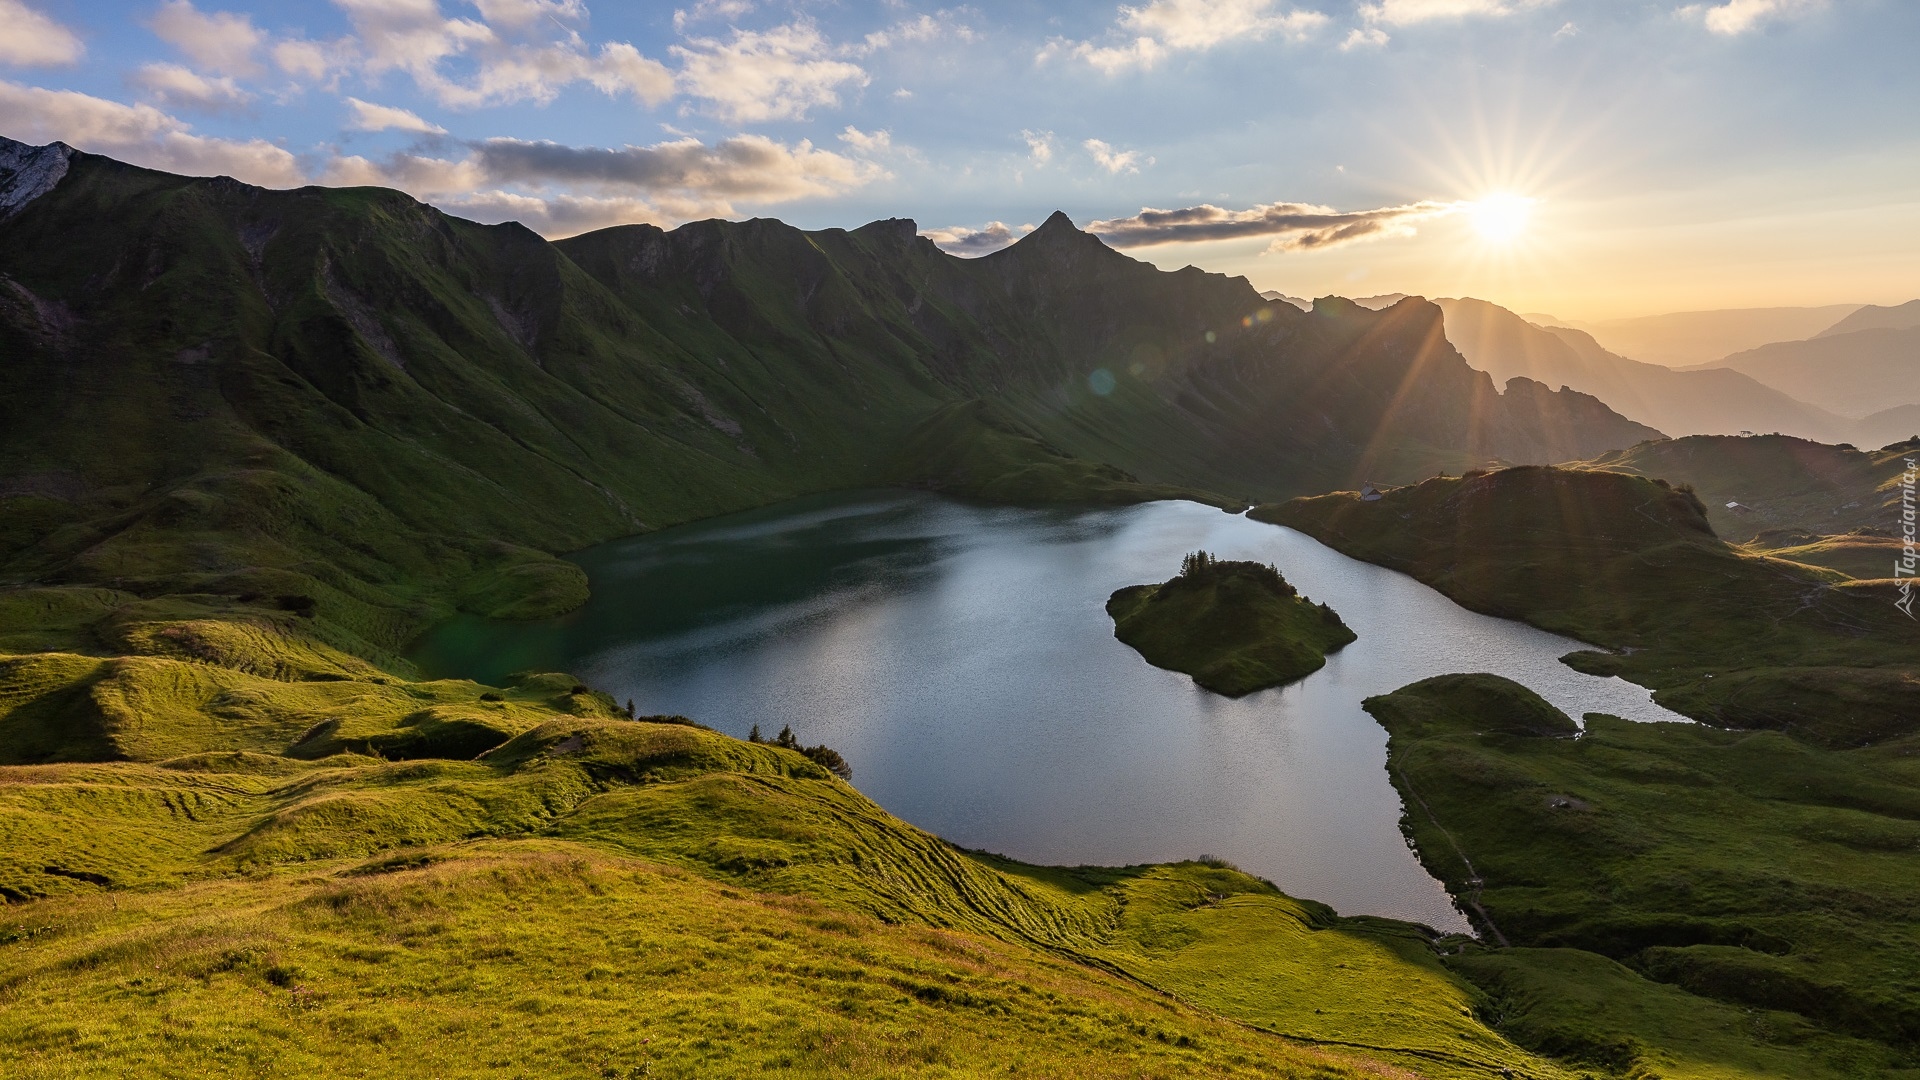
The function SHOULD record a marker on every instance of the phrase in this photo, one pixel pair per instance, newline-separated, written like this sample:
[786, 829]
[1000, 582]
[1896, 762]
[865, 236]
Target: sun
[1500, 218]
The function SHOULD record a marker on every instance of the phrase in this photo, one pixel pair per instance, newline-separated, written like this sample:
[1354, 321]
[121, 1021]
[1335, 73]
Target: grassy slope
[1788, 483]
[1230, 626]
[557, 960]
[1862, 556]
[1693, 901]
[1727, 637]
[602, 881]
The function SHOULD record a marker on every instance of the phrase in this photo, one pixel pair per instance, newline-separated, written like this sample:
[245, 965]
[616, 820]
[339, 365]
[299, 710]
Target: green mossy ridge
[1236, 627]
[1470, 704]
[1684, 901]
[1722, 635]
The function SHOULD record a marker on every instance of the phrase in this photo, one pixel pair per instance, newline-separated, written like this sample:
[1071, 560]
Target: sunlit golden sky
[1668, 154]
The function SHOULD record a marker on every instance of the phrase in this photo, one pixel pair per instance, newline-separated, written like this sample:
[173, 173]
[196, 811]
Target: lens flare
[1500, 218]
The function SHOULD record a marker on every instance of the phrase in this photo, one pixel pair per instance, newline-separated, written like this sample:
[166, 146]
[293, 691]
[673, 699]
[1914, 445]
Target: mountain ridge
[1682, 338]
[348, 395]
[1854, 373]
[1876, 316]
[1708, 401]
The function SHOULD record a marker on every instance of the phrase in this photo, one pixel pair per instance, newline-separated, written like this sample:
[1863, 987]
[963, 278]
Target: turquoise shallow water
[961, 659]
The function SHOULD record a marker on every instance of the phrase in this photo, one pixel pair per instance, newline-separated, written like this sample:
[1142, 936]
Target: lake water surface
[961, 659]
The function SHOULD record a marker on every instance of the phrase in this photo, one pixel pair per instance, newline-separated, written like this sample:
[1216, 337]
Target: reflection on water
[961, 659]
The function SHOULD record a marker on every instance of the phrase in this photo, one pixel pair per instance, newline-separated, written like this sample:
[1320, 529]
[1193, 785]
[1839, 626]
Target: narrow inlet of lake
[961, 659]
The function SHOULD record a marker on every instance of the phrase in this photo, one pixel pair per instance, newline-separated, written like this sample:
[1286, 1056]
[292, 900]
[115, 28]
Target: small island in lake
[1236, 627]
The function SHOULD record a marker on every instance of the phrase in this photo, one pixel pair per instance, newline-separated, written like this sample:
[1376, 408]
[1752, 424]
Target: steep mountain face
[28, 172]
[215, 387]
[1707, 402]
[1184, 378]
[1876, 317]
[1856, 373]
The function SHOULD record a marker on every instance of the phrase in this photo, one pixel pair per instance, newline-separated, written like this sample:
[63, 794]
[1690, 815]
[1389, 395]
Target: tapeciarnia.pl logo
[1903, 567]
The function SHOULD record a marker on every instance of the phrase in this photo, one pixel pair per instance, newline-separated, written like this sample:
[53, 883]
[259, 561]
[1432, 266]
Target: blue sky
[1663, 155]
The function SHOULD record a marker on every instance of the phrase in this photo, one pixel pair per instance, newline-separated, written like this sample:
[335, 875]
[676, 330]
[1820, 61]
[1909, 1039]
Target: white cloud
[1141, 52]
[1114, 161]
[1363, 38]
[141, 134]
[742, 167]
[1740, 16]
[1291, 226]
[31, 39]
[1406, 12]
[867, 142]
[181, 87]
[524, 13]
[961, 240]
[417, 174]
[311, 60]
[558, 216]
[621, 69]
[777, 74]
[1202, 24]
[1039, 145]
[560, 190]
[1163, 26]
[532, 61]
[924, 28]
[222, 41]
[1567, 30]
[711, 10]
[370, 117]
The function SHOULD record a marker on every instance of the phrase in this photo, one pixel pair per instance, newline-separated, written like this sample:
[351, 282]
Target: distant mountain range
[1853, 373]
[1381, 302]
[338, 387]
[1684, 338]
[1275, 294]
[1711, 402]
[1855, 387]
[1875, 317]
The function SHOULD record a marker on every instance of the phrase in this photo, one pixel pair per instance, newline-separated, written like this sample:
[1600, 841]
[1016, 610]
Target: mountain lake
[960, 657]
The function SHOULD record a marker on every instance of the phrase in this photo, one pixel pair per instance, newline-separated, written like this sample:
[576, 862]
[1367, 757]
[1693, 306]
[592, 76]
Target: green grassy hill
[1679, 900]
[528, 881]
[1724, 635]
[1236, 627]
[1780, 481]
